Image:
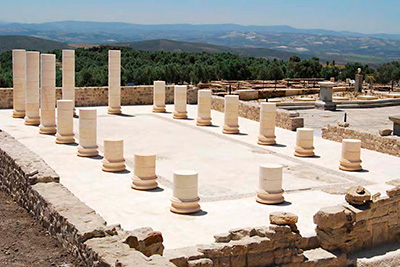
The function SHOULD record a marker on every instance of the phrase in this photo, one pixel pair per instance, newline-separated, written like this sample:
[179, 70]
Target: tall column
[185, 198]
[203, 108]
[19, 82]
[159, 97]
[304, 142]
[88, 133]
[32, 89]
[351, 155]
[113, 160]
[114, 82]
[267, 124]
[144, 177]
[65, 122]
[68, 75]
[180, 100]
[48, 95]
[231, 115]
[270, 184]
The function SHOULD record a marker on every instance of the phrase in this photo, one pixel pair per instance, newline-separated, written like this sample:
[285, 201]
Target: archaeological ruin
[202, 175]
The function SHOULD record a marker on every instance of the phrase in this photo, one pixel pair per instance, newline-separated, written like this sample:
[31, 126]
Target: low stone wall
[98, 96]
[289, 120]
[34, 186]
[351, 228]
[385, 144]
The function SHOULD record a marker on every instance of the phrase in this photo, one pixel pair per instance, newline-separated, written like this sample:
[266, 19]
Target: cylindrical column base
[144, 177]
[47, 130]
[230, 129]
[180, 115]
[304, 143]
[203, 122]
[351, 151]
[266, 141]
[265, 197]
[88, 151]
[18, 114]
[184, 207]
[32, 121]
[114, 111]
[65, 139]
[113, 160]
[159, 109]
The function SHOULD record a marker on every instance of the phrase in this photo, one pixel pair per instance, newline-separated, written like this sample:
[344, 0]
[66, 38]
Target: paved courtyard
[227, 166]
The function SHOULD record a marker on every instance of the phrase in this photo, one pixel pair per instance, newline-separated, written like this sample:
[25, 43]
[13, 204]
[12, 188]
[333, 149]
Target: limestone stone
[114, 82]
[270, 184]
[32, 89]
[266, 134]
[145, 240]
[65, 122]
[325, 96]
[359, 81]
[396, 124]
[393, 191]
[357, 195]
[159, 97]
[19, 82]
[200, 263]
[304, 143]
[283, 218]
[330, 217]
[351, 154]
[180, 100]
[385, 132]
[88, 133]
[68, 75]
[48, 95]
[113, 160]
[144, 176]
[185, 197]
[231, 115]
[204, 108]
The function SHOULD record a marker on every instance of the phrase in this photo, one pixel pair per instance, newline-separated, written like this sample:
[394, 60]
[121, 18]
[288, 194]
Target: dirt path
[24, 242]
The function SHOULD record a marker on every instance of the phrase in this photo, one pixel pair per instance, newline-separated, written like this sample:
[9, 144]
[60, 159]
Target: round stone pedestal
[267, 124]
[180, 100]
[231, 115]
[88, 133]
[270, 184]
[144, 176]
[113, 160]
[32, 89]
[351, 155]
[185, 198]
[304, 143]
[65, 122]
[48, 95]
[19, 82]
[203, 108]
[159, 97]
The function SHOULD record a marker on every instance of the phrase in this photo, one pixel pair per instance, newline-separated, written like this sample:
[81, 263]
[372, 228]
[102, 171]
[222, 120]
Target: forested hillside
[143, 67]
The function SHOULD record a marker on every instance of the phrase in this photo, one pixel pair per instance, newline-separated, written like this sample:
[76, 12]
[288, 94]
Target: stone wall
[34, 186]
[351, 228]
[289, 120]
[98, 96]
[384, 144]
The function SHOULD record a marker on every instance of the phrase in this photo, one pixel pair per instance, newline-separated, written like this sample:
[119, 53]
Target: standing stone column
[231, 115]
[358, 81]
[114, 82]
[203, 108]
[270, 184]
[325, 96]
[159, 97]
[267, 124]
[65, 122]
[180, 100]
[351, 155]
[32, 89]
[144, 177]
[113, 160]
[88, 133]
[19, 82]
[304, 143]
[185, 198]
[48, 95]
[68, 75]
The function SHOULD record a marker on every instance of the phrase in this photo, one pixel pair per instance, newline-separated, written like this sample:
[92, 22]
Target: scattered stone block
[330, 217]
[146, 241]
[357, 195]
[283, 218]
[385, 132]
[393, 192]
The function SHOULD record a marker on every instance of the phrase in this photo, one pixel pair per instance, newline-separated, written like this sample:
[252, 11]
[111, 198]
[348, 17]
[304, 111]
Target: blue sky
[368, 16]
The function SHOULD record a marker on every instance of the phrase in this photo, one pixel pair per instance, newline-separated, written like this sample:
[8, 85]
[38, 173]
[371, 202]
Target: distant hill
[179, 46]
[9, 42]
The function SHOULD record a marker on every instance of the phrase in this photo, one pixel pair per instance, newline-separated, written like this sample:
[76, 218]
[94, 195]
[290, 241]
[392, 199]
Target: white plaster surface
[227, 165]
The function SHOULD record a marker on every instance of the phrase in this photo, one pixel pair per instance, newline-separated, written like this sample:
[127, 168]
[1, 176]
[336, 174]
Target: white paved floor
[227, 166]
